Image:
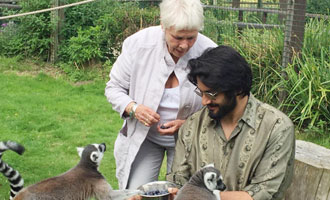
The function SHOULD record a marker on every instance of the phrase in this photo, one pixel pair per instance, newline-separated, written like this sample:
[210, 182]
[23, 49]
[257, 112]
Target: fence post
[293, 35]
[298, 28]
[57, 19]
[283, 7]
[54, 34]
[236, 3]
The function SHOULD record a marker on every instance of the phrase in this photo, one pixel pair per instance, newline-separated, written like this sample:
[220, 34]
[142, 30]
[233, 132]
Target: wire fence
[288, 15]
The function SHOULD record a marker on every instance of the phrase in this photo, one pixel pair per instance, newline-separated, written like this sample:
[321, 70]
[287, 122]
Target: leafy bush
[85, 47]
[103, 39]
[318, 7]
[31, 36]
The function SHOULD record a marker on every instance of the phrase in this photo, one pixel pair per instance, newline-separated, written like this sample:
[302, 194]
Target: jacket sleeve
[117, 88]
[274, 173]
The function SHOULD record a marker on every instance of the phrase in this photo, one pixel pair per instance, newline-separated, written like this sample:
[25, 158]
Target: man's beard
[226, 107]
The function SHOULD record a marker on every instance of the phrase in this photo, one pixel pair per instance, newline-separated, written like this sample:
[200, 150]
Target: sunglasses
[210, 95]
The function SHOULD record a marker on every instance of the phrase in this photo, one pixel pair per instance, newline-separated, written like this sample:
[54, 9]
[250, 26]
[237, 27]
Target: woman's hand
[146, 115]
[136, 197]
[171, 127]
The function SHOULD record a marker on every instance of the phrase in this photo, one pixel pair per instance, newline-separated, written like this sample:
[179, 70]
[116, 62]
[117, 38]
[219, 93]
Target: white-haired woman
[148, 87]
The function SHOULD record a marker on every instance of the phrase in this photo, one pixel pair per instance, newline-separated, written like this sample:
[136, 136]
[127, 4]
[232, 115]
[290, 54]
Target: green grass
[52, 117]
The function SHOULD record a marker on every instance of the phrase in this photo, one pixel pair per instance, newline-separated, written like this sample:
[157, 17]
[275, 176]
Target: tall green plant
[316, 35]
[262, 49]
[308, 91]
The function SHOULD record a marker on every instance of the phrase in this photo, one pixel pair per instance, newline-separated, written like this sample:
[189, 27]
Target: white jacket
[139, 74]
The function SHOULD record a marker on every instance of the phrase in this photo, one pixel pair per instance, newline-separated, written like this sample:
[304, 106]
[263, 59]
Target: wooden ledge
[311, 180]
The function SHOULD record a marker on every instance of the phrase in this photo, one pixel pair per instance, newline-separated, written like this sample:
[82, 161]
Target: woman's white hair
[182, 14]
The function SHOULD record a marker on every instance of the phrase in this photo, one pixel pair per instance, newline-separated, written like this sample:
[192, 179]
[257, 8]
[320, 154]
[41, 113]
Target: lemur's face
[93, 152]
[213, 179]
[97, 155]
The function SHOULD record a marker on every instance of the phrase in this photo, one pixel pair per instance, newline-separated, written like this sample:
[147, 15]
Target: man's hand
[173, 192]
[235, 195]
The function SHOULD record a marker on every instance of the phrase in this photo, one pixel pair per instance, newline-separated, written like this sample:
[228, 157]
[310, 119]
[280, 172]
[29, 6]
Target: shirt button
[274, 163]
[240, 180]
[232, 145]
[188, 133]
[247, 148]
[278, 147]
[241, 165]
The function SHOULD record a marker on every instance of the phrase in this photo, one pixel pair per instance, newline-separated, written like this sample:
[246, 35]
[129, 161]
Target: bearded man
[250, 142]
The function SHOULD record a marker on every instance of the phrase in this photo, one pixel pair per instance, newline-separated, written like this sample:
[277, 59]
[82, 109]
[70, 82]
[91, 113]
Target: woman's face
[179, 42]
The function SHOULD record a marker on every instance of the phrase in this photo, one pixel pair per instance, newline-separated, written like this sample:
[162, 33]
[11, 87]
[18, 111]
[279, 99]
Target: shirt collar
[249, 115]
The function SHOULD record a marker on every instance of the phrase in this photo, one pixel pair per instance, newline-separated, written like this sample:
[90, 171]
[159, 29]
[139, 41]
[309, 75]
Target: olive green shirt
[257, 158]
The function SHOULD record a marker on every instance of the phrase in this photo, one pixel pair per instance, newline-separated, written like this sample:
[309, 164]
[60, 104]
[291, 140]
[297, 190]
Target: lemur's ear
[209, 165]
[80, 150]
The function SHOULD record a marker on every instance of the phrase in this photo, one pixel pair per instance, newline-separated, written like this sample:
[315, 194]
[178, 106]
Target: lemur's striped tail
[13, 176]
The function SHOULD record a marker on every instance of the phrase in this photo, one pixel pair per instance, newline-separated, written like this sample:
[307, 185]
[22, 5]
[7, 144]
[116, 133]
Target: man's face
[179, 42]
[218, 107]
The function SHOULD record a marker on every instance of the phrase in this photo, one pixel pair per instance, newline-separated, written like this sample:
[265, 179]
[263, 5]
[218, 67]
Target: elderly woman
[148, 87]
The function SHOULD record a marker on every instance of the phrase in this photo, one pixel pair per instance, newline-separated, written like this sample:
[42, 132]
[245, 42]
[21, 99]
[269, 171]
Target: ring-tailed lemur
[205, 184]
[82, 182]
[14, 178]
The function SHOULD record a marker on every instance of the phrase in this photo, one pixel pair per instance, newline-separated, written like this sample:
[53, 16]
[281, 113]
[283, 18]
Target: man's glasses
[210, 95]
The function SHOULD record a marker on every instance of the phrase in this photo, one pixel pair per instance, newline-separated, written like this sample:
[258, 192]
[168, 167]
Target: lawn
[51, 117]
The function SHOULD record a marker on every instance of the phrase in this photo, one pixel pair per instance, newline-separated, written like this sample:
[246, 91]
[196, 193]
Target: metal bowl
[156, 190]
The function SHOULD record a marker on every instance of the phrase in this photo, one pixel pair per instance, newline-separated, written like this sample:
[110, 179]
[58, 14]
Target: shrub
[31, 36]
[84, 48]
[318, 7]
[104, 38]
